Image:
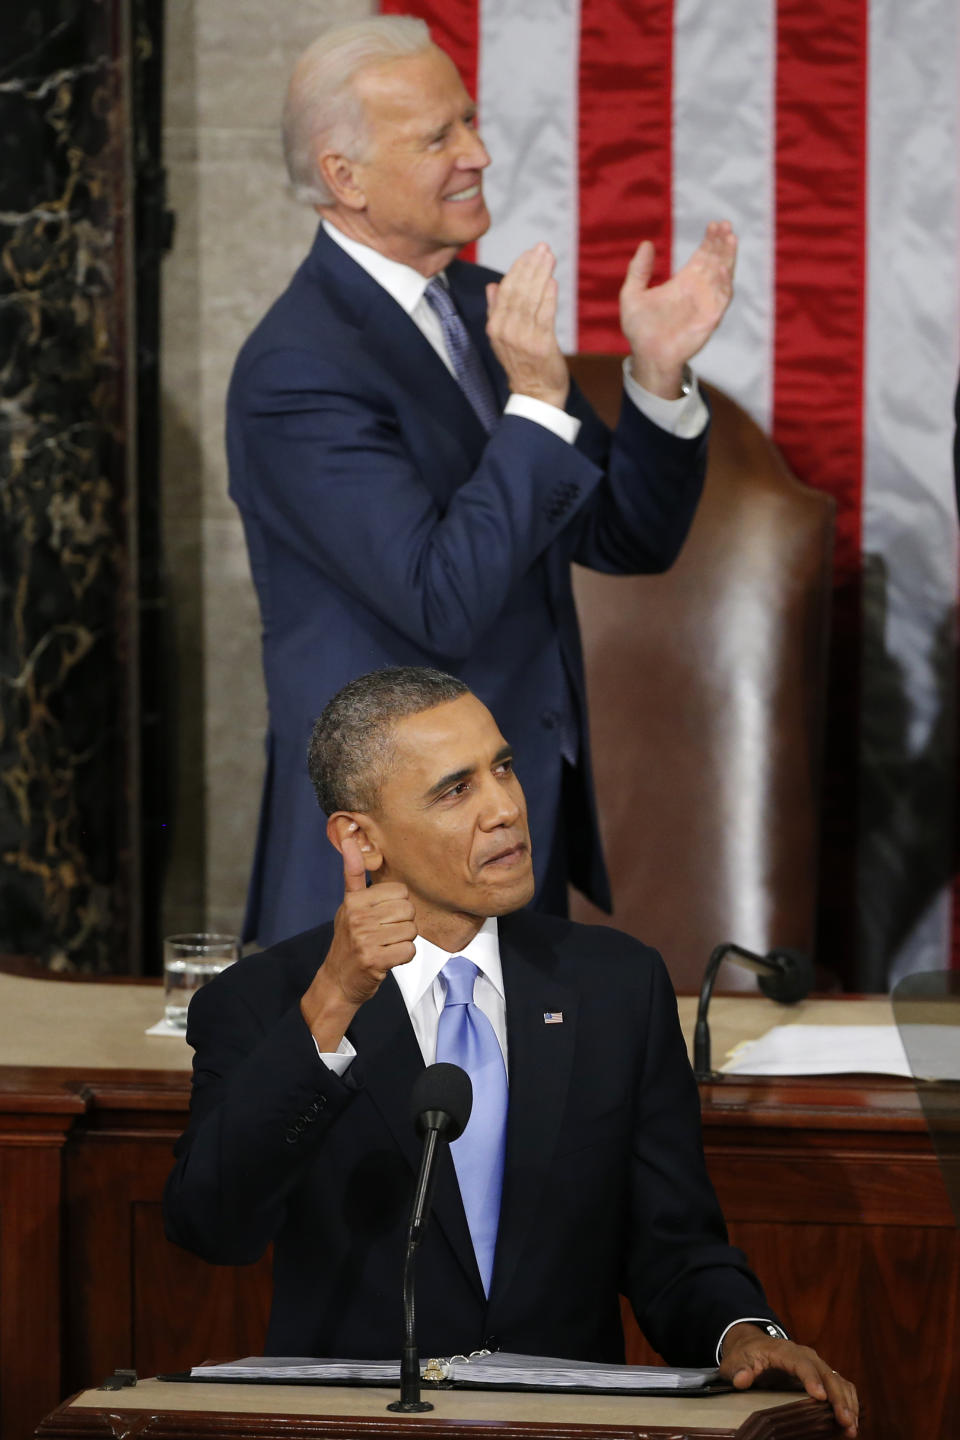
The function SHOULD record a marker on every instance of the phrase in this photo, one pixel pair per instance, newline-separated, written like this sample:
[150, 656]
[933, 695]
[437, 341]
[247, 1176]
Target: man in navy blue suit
[583, 1175]
[414, 468]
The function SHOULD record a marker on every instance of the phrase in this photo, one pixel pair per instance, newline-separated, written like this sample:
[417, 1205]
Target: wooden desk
[305, 1412]
[829, 1184]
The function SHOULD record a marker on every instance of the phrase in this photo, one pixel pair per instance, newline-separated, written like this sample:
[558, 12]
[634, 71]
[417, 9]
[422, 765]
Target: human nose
[473, 153]
[500, 805]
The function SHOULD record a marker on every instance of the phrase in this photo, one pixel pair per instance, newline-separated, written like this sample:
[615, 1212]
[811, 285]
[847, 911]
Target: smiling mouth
[470, 193]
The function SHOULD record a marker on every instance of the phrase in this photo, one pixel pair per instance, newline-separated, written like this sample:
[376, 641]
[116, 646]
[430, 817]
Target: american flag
[827, 131]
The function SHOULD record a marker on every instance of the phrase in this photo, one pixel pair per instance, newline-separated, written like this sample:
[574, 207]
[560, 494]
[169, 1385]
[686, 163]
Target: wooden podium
[830, 1185]
[155, 1408]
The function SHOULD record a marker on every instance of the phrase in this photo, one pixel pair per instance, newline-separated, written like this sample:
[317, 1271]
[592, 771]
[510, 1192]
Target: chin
[512, 897]
[473, 231]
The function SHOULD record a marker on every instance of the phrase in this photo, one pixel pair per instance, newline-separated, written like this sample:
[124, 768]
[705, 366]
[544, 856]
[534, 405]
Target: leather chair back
[706, 691]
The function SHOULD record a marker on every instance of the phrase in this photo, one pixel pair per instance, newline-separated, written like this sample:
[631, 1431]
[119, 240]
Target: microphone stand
[410, 1401]
[785, 975]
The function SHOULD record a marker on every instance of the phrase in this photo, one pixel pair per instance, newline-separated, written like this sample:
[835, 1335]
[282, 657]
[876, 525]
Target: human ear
[358, 826]
[342, 180]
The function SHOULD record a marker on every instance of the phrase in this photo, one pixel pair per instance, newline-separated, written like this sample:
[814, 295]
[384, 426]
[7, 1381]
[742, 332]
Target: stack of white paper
[536, 1372]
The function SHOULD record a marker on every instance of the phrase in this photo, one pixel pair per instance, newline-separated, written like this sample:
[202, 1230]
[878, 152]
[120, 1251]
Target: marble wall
[238, 239]
[67, 642]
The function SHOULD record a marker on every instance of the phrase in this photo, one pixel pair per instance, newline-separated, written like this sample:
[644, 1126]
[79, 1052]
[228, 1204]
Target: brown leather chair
[706, 688]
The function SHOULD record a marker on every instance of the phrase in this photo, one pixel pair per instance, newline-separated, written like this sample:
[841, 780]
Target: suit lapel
[387, 1064]
[395, 341]
[411, 359]
[541, 1062]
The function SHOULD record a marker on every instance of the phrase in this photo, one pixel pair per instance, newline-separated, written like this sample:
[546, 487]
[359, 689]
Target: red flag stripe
[454, 26]
[820, 266]
[626, 50]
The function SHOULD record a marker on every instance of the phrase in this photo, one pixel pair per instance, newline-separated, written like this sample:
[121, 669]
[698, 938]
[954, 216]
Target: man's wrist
[558, 421]
[769, 1327]
[327, 1012]
[670, 383]
[686, 418]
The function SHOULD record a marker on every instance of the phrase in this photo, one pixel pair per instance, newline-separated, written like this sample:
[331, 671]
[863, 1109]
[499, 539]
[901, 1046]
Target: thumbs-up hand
[374, 930]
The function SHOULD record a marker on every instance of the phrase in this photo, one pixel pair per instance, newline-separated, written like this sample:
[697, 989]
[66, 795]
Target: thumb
[641, 266]
[354, 870]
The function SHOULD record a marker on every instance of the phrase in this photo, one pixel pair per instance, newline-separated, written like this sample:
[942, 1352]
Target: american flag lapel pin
[553, 1017]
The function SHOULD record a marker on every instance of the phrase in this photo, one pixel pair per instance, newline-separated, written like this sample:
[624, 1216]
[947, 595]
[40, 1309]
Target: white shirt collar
[416, 977]
[405, 284]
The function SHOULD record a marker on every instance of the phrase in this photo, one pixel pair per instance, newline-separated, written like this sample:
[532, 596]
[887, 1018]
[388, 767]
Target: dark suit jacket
[385, 528]
[605, 1189]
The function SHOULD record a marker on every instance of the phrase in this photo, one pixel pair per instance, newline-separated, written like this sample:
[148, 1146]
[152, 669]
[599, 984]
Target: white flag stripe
[909, 509]
[528, 96]
[723, 137]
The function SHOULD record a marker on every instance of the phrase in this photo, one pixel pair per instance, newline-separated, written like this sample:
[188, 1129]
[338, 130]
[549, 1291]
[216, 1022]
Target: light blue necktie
[465, 1037]
[474, 381]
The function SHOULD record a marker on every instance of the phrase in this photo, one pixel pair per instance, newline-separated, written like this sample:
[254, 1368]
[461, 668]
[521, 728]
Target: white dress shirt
[685, 417]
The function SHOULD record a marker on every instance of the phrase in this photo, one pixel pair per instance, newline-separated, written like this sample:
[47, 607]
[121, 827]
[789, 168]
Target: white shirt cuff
[686, 417]
[768, 1325]
[340, 1059]
[564, 426]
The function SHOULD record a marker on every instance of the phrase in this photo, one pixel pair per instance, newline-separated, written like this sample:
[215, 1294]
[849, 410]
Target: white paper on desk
[821, 1050]
[521, 1372]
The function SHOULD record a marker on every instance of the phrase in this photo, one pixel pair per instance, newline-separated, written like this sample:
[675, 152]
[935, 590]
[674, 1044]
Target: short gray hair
[351, 744]
[322, 108]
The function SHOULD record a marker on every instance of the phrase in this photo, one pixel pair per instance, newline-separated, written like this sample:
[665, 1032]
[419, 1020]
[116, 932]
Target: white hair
[322, 109]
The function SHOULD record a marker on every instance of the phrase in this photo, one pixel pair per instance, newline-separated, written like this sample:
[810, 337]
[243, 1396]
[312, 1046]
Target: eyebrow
[455, 776]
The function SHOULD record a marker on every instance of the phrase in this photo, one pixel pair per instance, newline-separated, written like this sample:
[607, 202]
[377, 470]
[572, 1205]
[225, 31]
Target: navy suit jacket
[386, 528]
[605, 1189]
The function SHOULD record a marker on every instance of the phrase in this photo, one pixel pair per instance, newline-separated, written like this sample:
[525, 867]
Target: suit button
[549, 719]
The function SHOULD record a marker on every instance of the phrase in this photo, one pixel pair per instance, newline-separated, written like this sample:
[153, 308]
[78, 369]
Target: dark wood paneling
[30, 1380]
[134, 1301]
[183, 1311]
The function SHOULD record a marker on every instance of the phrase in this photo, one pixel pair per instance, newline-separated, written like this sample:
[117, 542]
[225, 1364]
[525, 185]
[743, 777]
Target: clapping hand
[665, 325]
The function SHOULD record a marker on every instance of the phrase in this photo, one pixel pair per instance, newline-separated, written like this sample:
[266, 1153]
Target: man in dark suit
[300, 1132]
[414, 468]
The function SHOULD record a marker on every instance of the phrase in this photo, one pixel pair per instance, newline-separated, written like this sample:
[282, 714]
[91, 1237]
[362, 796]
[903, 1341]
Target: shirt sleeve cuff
[760, 1320]
[685, 418]
[566, 427]
[339, 1060]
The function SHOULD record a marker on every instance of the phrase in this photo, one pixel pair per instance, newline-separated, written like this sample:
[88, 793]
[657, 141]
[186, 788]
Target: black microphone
[785, 976]
[440, 1102]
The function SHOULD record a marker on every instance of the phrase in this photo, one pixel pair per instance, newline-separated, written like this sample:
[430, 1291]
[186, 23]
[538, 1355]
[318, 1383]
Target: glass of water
[189, 961]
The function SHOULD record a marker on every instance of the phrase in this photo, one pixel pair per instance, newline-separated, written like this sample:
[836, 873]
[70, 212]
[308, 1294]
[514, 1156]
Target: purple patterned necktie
[474, 381]
[465, 1037]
